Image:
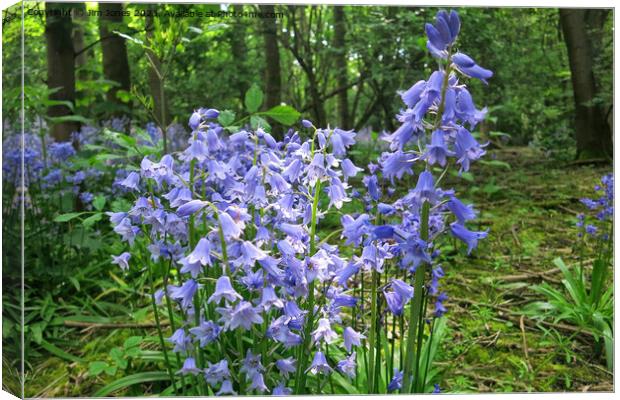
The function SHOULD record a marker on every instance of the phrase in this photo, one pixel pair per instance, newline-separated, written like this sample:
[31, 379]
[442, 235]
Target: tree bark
[273, 80]
[341, 66]
[156, 84]
[60, 66]
[80, 18]
[239, 51]
[593, 133]
[114, 55]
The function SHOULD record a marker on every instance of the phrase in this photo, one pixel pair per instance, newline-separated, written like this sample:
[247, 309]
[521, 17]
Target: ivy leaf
[286, 115]
[253, 99]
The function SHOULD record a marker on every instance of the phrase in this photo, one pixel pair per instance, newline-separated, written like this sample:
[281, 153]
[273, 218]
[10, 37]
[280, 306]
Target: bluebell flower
[412, 95]
[461, 211]
[467, 148]
[270, 299]
[319, 364]
[281, 390]
[122, 260]
[440, 310]
[132, 181]
[337, 193]
[195, 120]
[243, 315]
[206, 332]
[436, 389]
[395, 302]
[469, 237]
[437, 151]
[397, 381]
[349, 170]
[351, 338]
[230, 228]
[372, 185]
[404, 290]
[181, 341]
[216, 373]
[397, 164]
[226, 388]
[307, 124]
[189, 367]
[425, 189]
[185, 293]
[340, 140]
[251, 364]
[224, 289]
[191, 207]
[293, 171]
[127, 231]
[258, 383]
[286, 366]
[383, 232]
[324, 332]
[467, 66]
[347, 272]
[201, 253]
[348, 365]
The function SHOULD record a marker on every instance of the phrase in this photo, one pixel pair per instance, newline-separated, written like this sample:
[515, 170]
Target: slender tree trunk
[239, 51]
[273, 80]
[593, 132]
[341, 66]
[156, 84]
[60, 66]
[80, 19]
[114, 55]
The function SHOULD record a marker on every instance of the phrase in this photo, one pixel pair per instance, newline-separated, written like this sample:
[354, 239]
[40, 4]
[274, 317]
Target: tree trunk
[80, 19]
[114, 55]
[239, 51]
[156, 84]
[593, 133]
[60, 66]
[341, 66]
[273, 80]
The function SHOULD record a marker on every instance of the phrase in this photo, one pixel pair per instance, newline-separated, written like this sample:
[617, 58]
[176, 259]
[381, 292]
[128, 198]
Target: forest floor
[530, 209]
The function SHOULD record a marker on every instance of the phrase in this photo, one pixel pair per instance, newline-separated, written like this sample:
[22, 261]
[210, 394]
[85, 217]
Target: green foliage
[585, 302]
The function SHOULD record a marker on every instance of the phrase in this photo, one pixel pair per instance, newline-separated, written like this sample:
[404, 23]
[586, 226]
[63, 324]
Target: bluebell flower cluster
[236, 215]
[602, 208]
[232, 217]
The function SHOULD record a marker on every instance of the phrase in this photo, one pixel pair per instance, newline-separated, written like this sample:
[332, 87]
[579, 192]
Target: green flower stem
[159, 332]
[300, 382]
[373, 330]
[415, 310]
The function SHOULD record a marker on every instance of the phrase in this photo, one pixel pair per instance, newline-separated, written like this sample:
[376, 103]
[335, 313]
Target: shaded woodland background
[338, 65]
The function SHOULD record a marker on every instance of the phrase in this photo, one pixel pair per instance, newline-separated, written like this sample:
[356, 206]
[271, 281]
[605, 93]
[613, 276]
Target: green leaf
[126, 381]
[97, 367]
[253, 99]
[92, 219]
[99, 202]
[75, 282]
[69, 118]
[59, 352]
[67, 217]
[286, 115]
[258, 122]
[111, 370]
[226, 118]
[37, 333]
[132, 341]
[496, 163]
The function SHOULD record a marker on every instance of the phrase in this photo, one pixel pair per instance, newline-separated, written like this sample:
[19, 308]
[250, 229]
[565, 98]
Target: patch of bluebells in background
[603, 210]
[226, 231]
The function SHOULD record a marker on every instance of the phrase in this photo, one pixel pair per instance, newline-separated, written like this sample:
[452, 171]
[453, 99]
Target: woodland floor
[530, 211]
